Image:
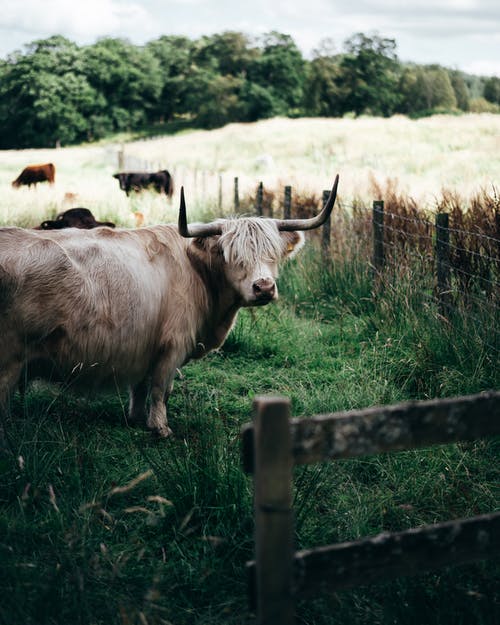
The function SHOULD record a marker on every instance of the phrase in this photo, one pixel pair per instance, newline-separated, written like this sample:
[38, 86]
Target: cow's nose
[264, 289]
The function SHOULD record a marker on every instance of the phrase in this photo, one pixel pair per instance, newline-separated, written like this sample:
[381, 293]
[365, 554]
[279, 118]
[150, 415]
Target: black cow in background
[160, 181]
[74, 218]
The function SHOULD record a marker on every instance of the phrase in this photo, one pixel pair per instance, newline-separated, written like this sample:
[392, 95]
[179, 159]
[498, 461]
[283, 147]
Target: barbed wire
[423, 220]
[485, 303]
[471, 275]
[474, 234]
[414, 235]
[463, 249]
[422, 238]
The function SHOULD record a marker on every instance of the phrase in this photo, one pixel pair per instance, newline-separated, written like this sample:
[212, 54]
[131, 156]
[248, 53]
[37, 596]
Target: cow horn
[196, 230]
[287, 225]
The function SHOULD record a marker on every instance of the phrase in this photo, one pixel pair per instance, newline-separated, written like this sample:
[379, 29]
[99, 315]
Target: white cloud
[85, 21]
[483, 67]
[456, 33]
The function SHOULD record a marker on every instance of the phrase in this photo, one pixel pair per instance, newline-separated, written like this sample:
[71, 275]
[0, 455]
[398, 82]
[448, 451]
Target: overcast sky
[461, 34]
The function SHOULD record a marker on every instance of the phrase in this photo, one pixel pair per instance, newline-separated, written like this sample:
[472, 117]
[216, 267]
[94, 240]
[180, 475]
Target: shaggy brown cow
[74, 218]
[32, 174]
[129, 307]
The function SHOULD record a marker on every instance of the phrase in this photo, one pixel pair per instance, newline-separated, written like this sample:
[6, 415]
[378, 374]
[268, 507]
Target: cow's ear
[292, 241]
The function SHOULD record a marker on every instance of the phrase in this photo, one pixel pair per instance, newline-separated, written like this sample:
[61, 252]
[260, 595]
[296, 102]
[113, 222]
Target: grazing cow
[32, 174]
[74, 218]
[160, 181]
[128, 307]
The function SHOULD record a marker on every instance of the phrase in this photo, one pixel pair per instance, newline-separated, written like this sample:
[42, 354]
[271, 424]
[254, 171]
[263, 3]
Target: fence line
[389, 236]
[274, 443]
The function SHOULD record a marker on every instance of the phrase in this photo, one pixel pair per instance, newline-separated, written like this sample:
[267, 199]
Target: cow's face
[249, 252]
[122, 179]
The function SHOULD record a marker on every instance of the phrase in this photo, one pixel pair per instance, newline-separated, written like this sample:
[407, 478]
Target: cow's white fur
[128, 307]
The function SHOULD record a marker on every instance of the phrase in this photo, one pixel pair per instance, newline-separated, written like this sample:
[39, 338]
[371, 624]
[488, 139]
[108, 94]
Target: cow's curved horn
[197, 230]
[287, 225]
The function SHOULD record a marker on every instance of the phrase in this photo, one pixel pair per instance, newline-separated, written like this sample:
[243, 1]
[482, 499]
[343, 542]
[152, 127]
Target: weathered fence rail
[274, 443]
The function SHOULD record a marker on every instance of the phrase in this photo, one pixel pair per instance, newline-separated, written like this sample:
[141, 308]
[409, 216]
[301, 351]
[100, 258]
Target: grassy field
[422, 157]
[102, 525]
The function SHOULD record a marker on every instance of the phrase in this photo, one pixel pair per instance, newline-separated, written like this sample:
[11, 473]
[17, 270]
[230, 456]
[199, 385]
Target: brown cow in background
[32, 174]
[74, 218]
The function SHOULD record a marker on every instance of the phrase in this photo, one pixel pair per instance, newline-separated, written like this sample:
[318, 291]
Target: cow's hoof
[164, 432]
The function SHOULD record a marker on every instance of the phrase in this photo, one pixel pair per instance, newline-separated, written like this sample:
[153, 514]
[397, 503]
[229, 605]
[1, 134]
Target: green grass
[171, 548]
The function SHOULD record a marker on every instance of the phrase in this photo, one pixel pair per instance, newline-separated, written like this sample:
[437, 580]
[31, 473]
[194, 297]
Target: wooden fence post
[274, 547]
[443, 261]
[260, 196]
[326, 233]
[287, 203]
[121, 158]
[378, 235]
[236, 196]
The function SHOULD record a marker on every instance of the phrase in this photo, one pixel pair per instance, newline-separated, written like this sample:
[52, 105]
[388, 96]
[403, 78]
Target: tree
[256, 102]
[229, 53]
[369, 75]
[216, 99]
[408, 90]
[492, 90]
[129, 79]
[174, 55]
[460, 90]
[281, 70]
[322, 94]
[45, 98]
[436, 91]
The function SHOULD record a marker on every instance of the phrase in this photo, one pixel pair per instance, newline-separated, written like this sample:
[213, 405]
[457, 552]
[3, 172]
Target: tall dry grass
[422, 156]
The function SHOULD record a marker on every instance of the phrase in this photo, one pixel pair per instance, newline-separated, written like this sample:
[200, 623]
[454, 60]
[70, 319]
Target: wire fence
[452, 255]
[448, 260]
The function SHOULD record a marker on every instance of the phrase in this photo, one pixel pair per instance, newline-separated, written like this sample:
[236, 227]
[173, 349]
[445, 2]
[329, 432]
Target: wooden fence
[274, 443]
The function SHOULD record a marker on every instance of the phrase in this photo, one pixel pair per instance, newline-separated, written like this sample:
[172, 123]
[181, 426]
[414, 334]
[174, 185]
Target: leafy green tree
[257, 102]
[369, 75]
[280, 69]
[434, 89]
[460, 90]
[45, 98]
[229, 53]
[174, 55]
[216, 99]
[408, 89]
[492, 90]
[129, 79]
[322, 93]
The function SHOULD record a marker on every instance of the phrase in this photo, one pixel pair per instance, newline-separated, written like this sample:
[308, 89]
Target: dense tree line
[55, 92]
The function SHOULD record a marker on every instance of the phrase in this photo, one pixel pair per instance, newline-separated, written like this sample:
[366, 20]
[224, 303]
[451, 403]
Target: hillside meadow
[100, 524]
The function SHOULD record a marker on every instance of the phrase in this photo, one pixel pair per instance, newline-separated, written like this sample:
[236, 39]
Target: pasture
[102, 524]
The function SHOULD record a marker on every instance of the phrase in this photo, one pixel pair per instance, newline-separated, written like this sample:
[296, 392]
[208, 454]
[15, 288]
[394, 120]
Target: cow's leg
[10, 374]
[137, 405]
[9, 378]
[162, 382]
